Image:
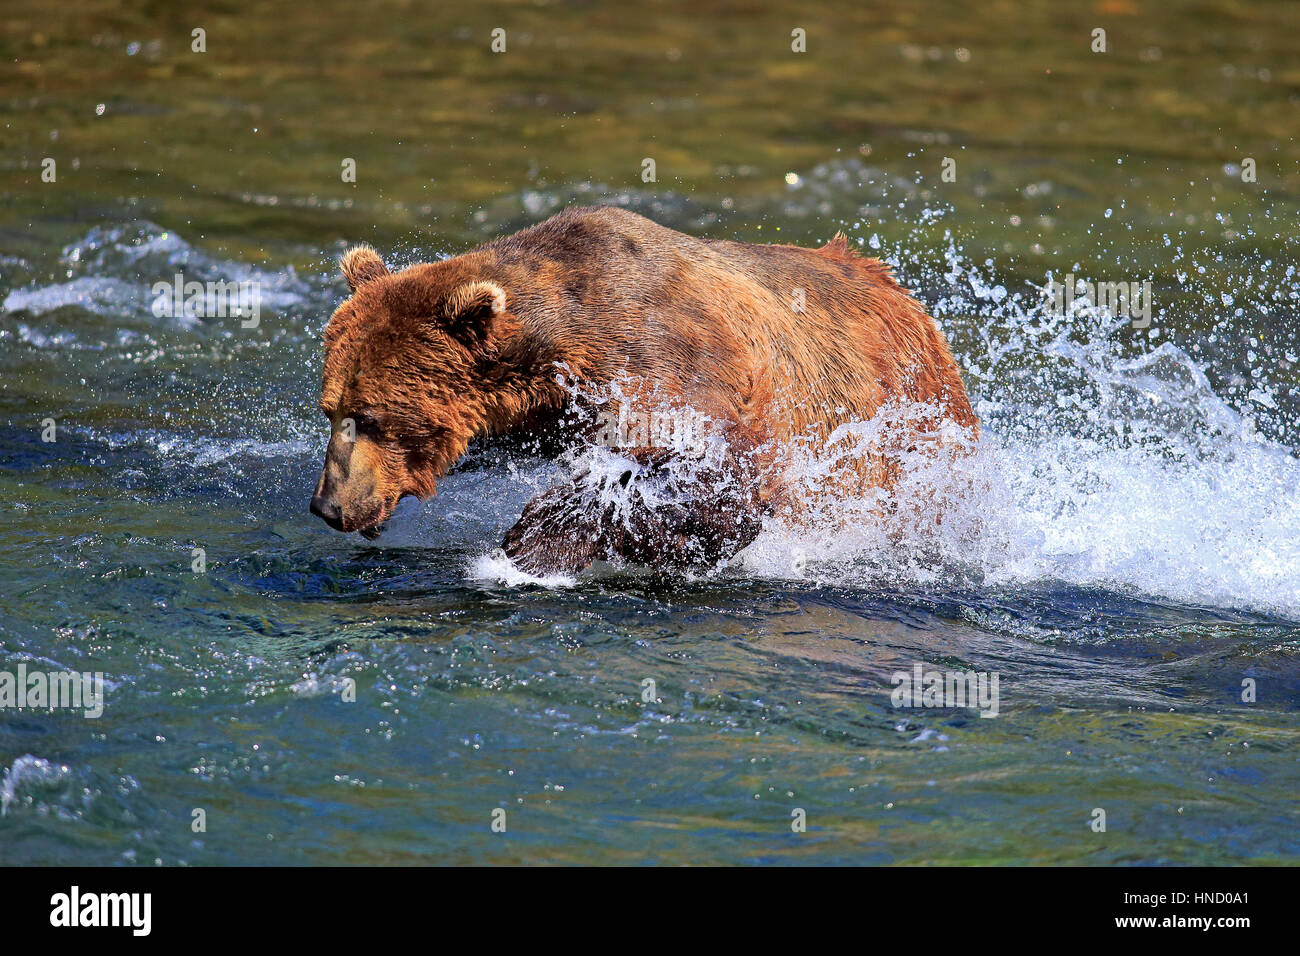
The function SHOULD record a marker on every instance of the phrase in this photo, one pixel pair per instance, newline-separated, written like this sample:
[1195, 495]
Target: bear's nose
[327, 511]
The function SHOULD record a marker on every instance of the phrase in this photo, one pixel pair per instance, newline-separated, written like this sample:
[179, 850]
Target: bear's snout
[328, 511]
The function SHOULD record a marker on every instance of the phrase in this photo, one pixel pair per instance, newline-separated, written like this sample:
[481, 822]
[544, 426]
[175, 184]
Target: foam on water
[498, 568]
[29, 773]
[201, 452]
[112, 271]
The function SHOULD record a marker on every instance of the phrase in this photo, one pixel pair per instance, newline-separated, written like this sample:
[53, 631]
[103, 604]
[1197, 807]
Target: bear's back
[824, 335]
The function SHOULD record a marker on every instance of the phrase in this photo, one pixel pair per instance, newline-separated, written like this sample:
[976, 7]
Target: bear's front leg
[557, 533]
[653, 508]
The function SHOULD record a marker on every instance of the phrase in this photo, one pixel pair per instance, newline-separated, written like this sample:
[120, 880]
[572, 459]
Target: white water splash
[497, 568]
[29, 772]
[112, 271]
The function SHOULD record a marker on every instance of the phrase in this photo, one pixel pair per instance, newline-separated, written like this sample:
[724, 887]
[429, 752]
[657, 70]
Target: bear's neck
[543, 352]
[521, 384]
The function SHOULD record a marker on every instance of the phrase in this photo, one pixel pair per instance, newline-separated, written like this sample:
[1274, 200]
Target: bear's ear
[360, 265]
[471, 309]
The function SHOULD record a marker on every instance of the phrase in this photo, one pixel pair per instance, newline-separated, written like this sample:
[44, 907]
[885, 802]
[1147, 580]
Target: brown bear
[769, 344]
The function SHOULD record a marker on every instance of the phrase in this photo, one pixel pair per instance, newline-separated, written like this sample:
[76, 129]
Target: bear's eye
[365, 423]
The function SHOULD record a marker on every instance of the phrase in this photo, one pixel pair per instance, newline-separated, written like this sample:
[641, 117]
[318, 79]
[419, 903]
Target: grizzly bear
[767, 344]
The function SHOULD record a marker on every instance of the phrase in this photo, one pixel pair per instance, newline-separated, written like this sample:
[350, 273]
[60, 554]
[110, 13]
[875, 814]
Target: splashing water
[1096, 468]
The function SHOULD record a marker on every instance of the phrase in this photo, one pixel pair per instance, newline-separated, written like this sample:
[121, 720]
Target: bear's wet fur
[773, 343]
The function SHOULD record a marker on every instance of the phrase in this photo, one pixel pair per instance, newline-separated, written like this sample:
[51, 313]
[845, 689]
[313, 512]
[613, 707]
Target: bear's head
[412, 372]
